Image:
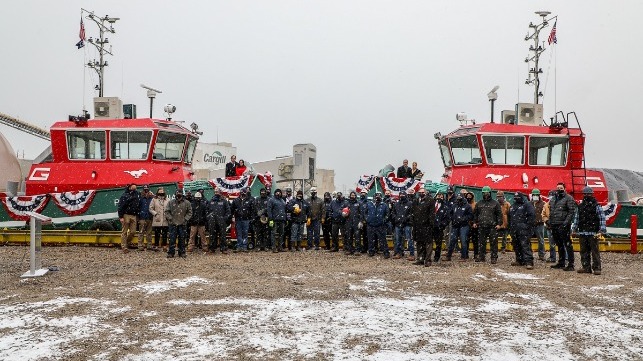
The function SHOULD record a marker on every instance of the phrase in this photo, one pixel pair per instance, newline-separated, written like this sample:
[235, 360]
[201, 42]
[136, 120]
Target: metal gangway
[24, 126]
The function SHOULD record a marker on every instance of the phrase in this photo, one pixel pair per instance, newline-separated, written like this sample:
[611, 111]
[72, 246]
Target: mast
[535, 50]
[99, 43]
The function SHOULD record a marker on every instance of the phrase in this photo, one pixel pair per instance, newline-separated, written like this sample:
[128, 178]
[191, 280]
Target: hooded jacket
[522, 217]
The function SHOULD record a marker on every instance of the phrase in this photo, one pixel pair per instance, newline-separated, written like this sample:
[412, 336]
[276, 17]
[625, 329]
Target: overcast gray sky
[367, 82]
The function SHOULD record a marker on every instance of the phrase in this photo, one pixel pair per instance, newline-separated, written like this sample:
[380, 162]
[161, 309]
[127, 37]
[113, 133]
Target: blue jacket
[218, 211]
[355, 213]
[276, 209]
[442, 216]
[461, 214]
[336, 207]
[376, 214]
[522, 218]
[144, 208]
[304, 210]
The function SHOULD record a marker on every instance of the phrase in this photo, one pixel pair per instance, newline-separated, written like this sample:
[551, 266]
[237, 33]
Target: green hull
[102, 213]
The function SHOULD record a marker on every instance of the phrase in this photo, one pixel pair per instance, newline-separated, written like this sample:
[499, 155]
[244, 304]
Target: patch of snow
[516, 276]
[162, 286]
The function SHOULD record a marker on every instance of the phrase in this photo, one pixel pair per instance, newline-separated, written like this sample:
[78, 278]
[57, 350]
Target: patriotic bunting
[365, 183]
[397, 185]
[232, 186]
[265, 179]
[18, 206]
[74, 203]
[611, 210]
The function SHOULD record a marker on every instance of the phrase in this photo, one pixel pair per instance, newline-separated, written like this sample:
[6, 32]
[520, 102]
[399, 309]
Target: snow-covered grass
[162, 286]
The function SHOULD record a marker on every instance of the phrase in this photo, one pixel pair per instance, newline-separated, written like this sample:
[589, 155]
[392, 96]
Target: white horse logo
[136, 173]
[496, 177]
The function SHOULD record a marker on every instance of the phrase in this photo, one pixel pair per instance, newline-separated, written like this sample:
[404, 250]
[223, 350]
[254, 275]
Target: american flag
[552, 35]
[81, 35]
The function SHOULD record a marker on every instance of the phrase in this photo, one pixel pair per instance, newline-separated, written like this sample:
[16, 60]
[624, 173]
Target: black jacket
[487, 213]
[129, 203]
[403, 172]
[243, 208]
[231, 169]
[522, 218]
[218, 211]
[304, 210]
[402, 213]
[561, 210]
[423, 212]
[442, 215]
[199, 212]
[461, 214]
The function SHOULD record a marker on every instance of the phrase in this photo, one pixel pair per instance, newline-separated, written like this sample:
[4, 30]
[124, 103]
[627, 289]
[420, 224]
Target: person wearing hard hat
[316, 214]
[522, 219]
[198, 220]
[487, 218]
[589, 224]
[299, 211]
[539, 204]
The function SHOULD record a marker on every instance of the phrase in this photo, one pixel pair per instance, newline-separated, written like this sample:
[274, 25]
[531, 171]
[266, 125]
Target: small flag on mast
[81, 35]
[552, 35]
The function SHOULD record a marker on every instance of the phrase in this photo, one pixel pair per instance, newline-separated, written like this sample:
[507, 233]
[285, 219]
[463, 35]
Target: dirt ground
[105, 305]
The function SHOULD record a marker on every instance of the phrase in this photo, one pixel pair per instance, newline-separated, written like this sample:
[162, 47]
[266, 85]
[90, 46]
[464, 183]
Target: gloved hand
[360, 225]
[271, 223]
[308, 222]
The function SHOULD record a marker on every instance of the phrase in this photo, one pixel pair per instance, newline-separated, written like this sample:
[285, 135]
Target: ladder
[577, 159]
[24, 126]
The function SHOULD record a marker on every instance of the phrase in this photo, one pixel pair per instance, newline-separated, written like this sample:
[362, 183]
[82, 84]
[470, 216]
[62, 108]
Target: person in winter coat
[277, 220]
[423, 217]
[241, 168]
[363, 200]
[589, 223]
[461, 214]
[316, 215]
[338, 219]
[402, 222]
[218, 214]
[299, 211]
[376, 215]
[261, 220]
[128, 210]
[231, 167]
[354, 225]
[243, 211]
[487, 218]
[178, 214]
[472, 237]
[145, 220]
[326, 221]
[286, 236]
[561, 214]
[503, 231]
[522, 219]
[539, 228]
[198, 220]
[440, 224]
[404, 171]
[159, 223]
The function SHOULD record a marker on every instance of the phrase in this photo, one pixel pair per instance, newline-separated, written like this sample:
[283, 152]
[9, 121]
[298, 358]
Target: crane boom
[24, 126]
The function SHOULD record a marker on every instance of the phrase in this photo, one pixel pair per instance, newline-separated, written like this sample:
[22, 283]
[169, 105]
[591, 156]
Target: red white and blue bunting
[265, 179]
[18, 206]
[611, 211]
[232, 186]
[365, 183]
[397, 185]
[74, 203]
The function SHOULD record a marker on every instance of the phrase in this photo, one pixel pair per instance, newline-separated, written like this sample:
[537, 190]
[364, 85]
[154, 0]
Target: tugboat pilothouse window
[86, 144]
[465, 150]
[169, 146]
[502, 149]
[547, 150]
[191, 148]
[130, 144]
[446, 155]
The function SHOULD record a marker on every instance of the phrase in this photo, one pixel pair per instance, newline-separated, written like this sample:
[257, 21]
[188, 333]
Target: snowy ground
[103, 305]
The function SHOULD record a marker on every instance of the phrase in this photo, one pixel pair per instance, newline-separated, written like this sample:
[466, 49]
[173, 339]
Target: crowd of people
[419, 224]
